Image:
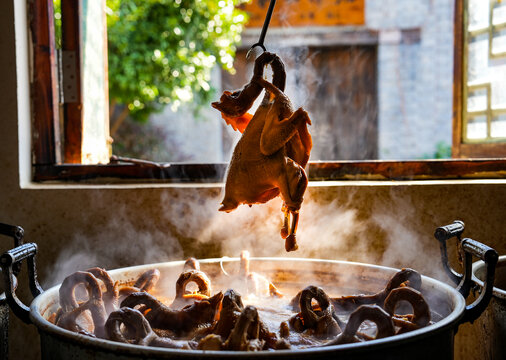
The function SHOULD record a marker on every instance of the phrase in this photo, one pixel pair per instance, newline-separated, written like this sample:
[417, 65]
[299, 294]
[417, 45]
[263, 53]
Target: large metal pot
[489, 331]
[290, 275]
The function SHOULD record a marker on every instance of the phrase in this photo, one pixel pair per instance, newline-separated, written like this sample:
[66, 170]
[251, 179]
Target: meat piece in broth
[68, 318]
[180, 322]
[255, 283]
[137, 330]
[185, 297]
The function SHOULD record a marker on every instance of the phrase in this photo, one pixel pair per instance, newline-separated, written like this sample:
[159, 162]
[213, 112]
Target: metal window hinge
[69, 82]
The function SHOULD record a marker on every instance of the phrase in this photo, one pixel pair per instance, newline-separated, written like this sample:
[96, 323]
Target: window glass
[484, 84]
[95, 147]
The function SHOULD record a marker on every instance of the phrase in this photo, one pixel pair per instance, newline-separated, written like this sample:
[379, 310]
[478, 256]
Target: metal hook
[267, 20]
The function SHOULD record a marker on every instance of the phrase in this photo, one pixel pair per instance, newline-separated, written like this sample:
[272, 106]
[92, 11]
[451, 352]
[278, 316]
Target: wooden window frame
[475, 148]
[49, 167]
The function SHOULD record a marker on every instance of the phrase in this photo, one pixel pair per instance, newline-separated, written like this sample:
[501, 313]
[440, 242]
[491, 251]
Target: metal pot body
[4, 327]
[489, 331]
[290, 275]
[437, 346]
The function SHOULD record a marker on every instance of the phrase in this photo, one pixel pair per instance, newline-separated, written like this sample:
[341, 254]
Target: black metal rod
[267, 21]
[17, 233]
[443, 233]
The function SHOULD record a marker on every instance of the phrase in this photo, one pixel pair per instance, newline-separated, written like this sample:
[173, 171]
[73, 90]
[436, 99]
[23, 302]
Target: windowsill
[312, 184]
[337, 173]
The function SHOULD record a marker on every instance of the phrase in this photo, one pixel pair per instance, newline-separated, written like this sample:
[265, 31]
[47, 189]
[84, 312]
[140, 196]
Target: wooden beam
[484, 150]
[71, 69]
[458, 78]
[44, 86]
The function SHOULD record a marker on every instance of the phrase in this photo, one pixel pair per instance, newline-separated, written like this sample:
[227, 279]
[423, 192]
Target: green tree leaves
[162, 51]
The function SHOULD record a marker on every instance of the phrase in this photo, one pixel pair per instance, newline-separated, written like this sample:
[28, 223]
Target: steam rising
[188, 222]
[405, 245]
[117, 244]
[331, 229]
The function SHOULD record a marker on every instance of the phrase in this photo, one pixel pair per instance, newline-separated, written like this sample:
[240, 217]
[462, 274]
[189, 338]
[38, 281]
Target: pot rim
[450, 321]
[479, 265]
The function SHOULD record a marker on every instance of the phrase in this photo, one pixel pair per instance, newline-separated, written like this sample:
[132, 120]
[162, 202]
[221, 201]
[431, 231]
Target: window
[478, 117]
[481, 122]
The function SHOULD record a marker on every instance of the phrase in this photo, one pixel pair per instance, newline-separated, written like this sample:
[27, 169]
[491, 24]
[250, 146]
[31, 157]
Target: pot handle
[17, 233]
[490, 257]
[8, 261]
[464, 281]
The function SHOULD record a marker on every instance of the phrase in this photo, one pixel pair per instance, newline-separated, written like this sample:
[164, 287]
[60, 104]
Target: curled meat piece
[284, 329]
[71, 309]
[323, 321]
[69, 320]
[255, 283]
[211, 342]
[148, 279]
[180, 322]
[124, 291]
[404, 277]
[111, 295]
[374, 313]
[421, 311]
[231, 308]
[136, 330]
[146, 282]
[191, 264]
[245, 334]
[184, 297]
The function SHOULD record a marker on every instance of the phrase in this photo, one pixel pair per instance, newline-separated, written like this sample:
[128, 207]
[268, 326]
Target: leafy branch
[162, 52]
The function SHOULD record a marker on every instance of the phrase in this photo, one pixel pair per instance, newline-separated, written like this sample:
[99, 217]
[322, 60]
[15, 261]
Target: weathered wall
[415, 68]
[126, 226]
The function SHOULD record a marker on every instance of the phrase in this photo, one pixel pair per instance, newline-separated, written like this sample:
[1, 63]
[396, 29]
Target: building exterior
[375, 75]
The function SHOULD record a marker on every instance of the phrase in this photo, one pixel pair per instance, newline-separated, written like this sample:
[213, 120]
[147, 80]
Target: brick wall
[415, 75]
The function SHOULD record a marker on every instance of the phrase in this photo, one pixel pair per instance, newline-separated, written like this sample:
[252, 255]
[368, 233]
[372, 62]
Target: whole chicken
[274, 148]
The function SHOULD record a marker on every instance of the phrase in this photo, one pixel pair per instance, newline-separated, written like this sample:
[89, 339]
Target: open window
[480, 124]
[61, 91]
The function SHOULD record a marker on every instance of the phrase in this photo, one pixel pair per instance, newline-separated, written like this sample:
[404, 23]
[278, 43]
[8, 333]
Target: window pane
[498, 126]
[499, 15]
[477, 100]
[498, 87]
[478, 59]
[95, 147]
[477, 127]
[499, 42]
[486, 72]
[478, 14]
